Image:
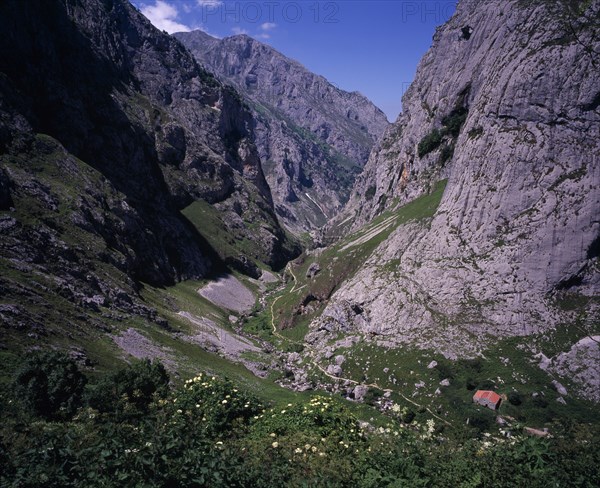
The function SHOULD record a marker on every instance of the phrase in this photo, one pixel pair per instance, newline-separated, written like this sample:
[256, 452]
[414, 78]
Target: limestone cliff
[312, 137]
[505, 106]
[109, 130]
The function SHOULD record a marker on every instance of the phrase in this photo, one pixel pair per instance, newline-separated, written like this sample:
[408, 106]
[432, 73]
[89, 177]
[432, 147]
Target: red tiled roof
[487, 395]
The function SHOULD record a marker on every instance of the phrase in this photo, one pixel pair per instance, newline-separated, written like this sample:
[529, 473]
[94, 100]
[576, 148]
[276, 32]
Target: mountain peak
[313, 136]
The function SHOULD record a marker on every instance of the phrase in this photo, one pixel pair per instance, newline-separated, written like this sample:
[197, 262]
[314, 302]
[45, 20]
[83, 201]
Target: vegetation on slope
[212, 432]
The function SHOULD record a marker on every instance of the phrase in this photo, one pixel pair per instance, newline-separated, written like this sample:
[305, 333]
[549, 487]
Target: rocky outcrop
[505, 107]
[313, 138]
[109, 128]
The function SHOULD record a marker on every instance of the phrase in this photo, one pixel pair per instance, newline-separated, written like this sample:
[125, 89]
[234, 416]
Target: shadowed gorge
[217, 269]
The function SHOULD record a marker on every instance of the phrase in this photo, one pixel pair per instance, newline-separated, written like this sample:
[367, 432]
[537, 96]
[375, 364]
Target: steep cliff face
[313, 138]
[108, 130]
[505, 107]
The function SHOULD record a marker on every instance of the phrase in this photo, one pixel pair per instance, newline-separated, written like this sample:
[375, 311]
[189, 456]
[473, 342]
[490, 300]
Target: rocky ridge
[108, 130]
[505, 107]
[312, 137]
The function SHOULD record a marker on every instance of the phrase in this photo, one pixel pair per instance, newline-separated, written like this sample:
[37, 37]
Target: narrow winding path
[324, 371]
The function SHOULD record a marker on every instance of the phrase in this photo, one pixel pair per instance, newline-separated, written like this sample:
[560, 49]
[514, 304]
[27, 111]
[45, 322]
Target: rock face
[505, 106]
[108, 129]
[313, 138]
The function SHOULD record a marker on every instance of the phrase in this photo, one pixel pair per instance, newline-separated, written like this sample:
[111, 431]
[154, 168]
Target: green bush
[447, 153]
[444, 369]
[370, 193]
[454, 121]
[131, 389]
[210, 433]
[373, 396]
[514, 397]
[430, 143]
[50, 385]
[451, 126]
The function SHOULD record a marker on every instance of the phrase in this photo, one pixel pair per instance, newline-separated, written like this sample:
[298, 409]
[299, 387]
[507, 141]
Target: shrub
[476, 132]
[430, 143]
[370, 193]
[514, 397]
[131, 389]
[50, 385]
[447, 153]
[540, 401]
[487, 385]
[445, 370]
[408, 416]
[481, 421]
[372, 396]
[454, 121]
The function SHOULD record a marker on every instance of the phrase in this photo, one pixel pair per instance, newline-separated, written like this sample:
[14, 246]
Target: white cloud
[264, 35]
[267, 26]
[163, 15]
[209, 3]
[238, 30]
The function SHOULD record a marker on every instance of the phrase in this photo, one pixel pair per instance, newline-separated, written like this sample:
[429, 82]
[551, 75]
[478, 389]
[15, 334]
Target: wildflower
[275, 445]
[321, 454]
[197, 405]
[313, 449]
[307, 446]
[297, 450]
[224, 402]
[179, 410]
[148, 444]
[273, 434]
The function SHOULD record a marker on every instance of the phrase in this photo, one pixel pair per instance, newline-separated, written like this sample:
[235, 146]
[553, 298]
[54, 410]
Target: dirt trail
[340, 378]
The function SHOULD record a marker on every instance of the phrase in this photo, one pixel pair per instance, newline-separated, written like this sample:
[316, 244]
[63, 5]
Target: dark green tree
[50, 385]
[132, 388]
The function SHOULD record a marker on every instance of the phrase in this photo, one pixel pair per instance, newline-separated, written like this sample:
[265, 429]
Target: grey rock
[313, 137]
[339, 359]
[334, 369]
[445, 382]
[561, 400]
[98, 162]
[313, 270]
[518, 221]
[360, 391]
[581, 363]
[559, 388]
[432, 365]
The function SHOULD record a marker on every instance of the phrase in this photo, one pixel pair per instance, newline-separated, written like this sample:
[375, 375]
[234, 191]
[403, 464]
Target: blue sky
[369, 46]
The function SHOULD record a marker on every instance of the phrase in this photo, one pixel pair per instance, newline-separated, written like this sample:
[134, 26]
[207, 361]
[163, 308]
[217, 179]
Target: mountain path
[324, 371]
